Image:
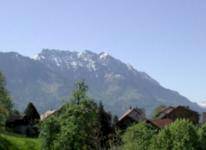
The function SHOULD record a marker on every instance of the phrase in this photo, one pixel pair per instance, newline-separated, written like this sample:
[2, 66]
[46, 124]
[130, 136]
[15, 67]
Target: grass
[17, 142]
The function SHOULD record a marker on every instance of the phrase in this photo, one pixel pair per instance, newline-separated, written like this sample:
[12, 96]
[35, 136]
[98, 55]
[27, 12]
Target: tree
[181, 134]
[5, 101]
[77, 121]
[202, 136]
[115, 140]
[31, 113]
[105, 121]
[162, 141]
[80, 92]
[138, 137]
[79, 127]
[3, 115]
[49, 133]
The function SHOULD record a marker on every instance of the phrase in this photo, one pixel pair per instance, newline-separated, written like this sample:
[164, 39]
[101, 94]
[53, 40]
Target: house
[21, 125]
[26, 124]
[133, 115]
[159, 123]
[179, 112]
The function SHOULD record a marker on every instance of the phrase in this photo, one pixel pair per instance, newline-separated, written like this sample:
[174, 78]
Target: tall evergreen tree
[31, 113]
[105, 121]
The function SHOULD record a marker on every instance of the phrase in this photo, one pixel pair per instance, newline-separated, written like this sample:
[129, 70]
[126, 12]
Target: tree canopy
[5, 101]
[76, 122]
[138, 137]
[80, 92]
[182, 134]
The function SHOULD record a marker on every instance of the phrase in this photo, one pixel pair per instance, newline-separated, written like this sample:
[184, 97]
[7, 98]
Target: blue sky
[165, 38]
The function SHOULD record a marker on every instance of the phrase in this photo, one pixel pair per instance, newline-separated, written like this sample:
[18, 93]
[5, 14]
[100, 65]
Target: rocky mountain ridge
[48, 79]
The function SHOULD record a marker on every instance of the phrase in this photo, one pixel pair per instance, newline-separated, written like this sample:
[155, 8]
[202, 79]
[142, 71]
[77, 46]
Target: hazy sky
[165, 38]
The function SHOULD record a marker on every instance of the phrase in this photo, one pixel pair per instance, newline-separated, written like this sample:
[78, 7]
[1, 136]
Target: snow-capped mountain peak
[104, 55]
[68, 59]
[51, 74]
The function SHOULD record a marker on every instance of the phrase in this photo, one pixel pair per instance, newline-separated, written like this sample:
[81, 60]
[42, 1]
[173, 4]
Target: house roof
[170, 109]
[160, 123]
[14, 118]
[131, 113]
[47, 114]
[165, 111]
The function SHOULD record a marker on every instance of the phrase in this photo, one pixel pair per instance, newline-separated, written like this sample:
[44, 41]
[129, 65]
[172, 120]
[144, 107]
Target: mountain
[48, 79]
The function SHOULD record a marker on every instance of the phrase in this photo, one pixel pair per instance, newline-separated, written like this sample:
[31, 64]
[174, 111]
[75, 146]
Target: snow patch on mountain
[104, 55]
[90, 60]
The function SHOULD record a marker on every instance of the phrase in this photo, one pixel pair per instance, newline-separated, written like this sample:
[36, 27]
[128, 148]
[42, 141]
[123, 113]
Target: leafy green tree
[77, 122]
[32, 114]
[202, 136]
[80, 92]
[49, 133]
[79, 127]
[181, 135]
[115, 140]
[3, 115]
[5, 101]
[162, 141]
[138, 137]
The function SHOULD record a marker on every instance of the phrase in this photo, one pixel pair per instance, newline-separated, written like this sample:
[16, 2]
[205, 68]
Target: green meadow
[17, 142]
